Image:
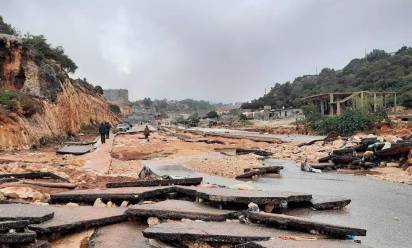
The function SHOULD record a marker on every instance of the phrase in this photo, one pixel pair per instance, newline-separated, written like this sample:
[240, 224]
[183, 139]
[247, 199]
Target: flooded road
[383, 208]
[283, 137]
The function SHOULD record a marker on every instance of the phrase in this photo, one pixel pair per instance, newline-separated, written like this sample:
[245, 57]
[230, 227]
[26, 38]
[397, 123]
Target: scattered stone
[151, 221]
[176, 209]
[29, 212]
[305, 225]
[23, 193]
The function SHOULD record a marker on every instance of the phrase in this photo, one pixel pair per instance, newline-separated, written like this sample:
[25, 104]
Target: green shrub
[9, 99]
[348, 123]
[114, 108]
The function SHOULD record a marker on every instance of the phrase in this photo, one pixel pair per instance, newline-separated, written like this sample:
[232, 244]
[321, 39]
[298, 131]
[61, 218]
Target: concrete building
[117, 96]
[337, 103]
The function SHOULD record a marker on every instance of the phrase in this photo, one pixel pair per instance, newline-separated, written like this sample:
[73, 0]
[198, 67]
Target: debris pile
[365, 153]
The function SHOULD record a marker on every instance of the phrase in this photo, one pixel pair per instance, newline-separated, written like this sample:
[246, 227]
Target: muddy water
[383, 208]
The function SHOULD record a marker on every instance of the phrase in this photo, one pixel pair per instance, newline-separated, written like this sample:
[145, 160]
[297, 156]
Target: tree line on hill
[377, 71]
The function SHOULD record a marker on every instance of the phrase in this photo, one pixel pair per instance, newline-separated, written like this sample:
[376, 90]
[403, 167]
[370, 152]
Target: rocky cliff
[39, 101]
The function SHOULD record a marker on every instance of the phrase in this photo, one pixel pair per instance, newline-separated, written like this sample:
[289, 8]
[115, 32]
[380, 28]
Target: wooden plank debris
[302, 224]
[176, 209]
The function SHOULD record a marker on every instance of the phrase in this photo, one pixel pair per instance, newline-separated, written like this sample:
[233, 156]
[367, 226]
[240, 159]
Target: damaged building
[336, 103]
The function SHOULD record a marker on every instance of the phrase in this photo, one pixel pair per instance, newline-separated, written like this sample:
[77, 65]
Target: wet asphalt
[383, 208]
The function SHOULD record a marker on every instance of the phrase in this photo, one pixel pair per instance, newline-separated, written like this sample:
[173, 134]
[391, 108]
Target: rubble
[176, 209]
[51, 185]
[23, 193]
[304, 225]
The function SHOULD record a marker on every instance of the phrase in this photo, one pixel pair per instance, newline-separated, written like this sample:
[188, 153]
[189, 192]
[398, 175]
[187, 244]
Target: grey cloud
[218, 50]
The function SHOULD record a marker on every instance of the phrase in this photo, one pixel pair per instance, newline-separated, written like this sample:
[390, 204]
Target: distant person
[146, 133]
[102, 131]
[108, 126]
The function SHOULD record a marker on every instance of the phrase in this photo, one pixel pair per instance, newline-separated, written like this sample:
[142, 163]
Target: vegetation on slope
[378, 71]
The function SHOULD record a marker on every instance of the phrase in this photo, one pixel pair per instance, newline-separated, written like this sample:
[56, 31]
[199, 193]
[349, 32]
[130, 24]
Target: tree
[193, 120]
[212, 114]
[99, 90]
[147, 102]
[114, 108]
[6, 28]
[44, 51]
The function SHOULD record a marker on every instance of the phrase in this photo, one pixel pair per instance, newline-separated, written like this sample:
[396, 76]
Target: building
[117, 96]
[337, 103]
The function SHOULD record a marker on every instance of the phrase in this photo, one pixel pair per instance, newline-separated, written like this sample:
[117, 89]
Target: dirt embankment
[49, 104]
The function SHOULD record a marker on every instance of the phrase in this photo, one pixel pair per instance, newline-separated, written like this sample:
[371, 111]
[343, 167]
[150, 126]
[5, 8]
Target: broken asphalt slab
[17, 237]
[75, 149]
[32, 175]
[176, 171]
[29, 212]
[284, 243]
[324, 202]
[176, 209]
[117, 195]
[125, 235]
[225, 195]
[18, 224]
[303, 225]
[258, 171]
[156, 182]
[71, 219]
[221, 232]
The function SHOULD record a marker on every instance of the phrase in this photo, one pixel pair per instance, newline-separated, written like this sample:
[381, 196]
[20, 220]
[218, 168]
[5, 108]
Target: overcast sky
[217, 50]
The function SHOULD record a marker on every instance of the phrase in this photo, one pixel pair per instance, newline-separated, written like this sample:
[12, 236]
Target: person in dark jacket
[102, 131]
[146, 133]
[108, 126]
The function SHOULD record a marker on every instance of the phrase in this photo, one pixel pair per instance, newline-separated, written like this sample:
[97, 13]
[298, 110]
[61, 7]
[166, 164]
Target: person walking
[108, 126]
[146, 133]
[102, 131]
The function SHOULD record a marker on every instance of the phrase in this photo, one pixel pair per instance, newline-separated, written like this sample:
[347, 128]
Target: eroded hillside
[39, 101]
